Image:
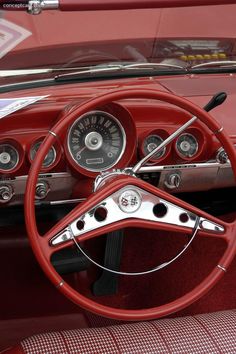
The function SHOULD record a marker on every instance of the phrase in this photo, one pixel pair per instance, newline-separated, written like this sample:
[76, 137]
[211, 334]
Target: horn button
[130, 201]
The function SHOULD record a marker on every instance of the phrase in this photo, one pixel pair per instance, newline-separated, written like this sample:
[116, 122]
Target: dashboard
[115, 136]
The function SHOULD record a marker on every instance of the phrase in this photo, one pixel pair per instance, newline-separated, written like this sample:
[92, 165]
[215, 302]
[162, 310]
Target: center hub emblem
[130, 201]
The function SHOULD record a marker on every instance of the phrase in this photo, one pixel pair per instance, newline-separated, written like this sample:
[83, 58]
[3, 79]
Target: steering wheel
[81, 224]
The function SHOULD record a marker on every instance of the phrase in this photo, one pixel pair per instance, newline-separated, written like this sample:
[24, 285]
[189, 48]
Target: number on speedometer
[96, 141]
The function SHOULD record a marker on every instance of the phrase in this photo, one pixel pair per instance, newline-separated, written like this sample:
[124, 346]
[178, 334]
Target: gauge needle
[78, 155]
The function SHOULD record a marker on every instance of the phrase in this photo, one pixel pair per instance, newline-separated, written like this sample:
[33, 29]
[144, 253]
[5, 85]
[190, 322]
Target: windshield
[178, 36]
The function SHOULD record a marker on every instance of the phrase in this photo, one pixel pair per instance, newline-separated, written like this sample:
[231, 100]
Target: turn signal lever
[215, 101]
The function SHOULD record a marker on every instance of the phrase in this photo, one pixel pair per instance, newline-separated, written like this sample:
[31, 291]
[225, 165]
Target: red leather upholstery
[210, 333]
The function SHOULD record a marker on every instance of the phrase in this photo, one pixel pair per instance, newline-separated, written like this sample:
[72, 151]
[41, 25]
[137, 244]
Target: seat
[208, 333]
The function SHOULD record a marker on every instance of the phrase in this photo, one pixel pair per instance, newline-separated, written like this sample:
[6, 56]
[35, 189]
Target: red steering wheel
[67, 231]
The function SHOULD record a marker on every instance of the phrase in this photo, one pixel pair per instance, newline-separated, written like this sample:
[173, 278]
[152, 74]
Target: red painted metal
[92, 5]
[95, 5]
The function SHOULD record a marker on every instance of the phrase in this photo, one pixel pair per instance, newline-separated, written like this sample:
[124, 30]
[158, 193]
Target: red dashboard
[126, 130]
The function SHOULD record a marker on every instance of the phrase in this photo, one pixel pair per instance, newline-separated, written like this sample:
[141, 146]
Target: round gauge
[96, 141]
[187, 145]
[49, 158]
[150, 143]
[9, 157]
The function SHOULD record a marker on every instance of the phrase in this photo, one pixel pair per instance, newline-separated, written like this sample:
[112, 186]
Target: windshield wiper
[86, 70]
[86, 73]
[214, 64]
[117, 68]
[24, 72]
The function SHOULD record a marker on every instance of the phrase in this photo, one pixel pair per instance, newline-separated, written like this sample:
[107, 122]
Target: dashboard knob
[41, 190]
[6, 193]
[173, 181]
[222, 156]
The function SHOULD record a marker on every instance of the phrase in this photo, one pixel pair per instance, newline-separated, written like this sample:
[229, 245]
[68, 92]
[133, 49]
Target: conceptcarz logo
[13, 5]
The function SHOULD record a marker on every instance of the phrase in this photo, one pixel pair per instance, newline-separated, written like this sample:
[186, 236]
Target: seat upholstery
[209, 333]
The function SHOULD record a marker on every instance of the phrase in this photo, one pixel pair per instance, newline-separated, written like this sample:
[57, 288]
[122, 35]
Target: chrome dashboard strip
[146, 169]
[43, 175]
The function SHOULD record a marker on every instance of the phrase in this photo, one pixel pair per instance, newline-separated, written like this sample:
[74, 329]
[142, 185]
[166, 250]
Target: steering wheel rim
[41, 252]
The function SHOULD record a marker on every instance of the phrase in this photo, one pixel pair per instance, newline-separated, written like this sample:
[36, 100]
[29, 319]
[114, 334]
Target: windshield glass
[178, 36]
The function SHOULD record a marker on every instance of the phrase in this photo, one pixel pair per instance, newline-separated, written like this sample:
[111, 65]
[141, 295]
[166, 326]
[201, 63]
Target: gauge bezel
[197, 145]
[20, 154]
[112, 117]
[57, 153]
[163, 152]
[163, 135]
[17, 159]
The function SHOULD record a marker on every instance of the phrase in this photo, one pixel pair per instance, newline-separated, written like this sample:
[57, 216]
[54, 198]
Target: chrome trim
[52, 133]
[10, 73]
[214, 63]
[222, 268]
[173, 180]
[115, 214]
[88, 141]
[35, 7]
[91, 70]
[103, 176]
[60, 284]
[43, 175]
[207, 225]
[152, 66]
[6, 193]
[219, 131]
[188, 166]
[122, 131]
[67, 201]
[63, 236]
[42, 189]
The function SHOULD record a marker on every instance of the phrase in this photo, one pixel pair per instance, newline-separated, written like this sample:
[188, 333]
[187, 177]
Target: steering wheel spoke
[135, 204]
[129, 206]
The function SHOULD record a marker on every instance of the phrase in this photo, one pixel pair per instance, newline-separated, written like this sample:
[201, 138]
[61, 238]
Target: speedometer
[96, 141]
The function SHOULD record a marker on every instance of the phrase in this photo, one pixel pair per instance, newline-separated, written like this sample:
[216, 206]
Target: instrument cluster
[101, 140]
[13, 154]
[187, 147]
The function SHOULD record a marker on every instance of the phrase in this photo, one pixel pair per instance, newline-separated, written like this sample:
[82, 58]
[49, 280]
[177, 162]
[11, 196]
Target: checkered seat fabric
[209, 333]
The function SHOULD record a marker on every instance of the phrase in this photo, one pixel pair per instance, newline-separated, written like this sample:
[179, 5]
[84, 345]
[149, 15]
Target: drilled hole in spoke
[160, 210]
[100, 214]
[184, 217]
[80, 225]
